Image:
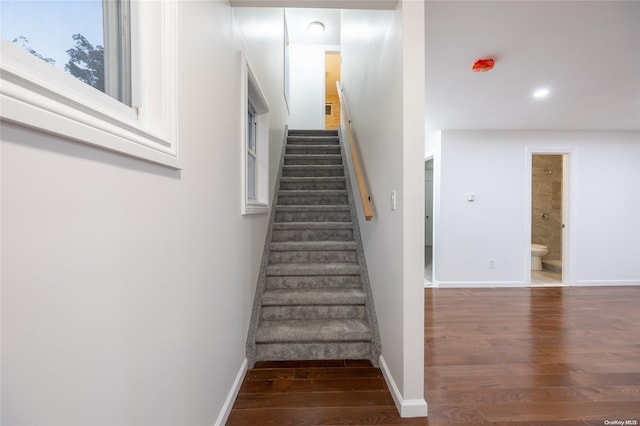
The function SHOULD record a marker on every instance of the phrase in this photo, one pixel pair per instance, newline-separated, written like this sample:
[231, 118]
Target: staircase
[313, 299]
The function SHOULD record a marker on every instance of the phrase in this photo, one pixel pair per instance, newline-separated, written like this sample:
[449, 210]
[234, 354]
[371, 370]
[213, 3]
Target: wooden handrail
[355, 158]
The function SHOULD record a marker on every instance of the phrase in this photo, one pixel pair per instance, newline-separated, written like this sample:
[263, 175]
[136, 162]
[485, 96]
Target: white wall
[261, 33]
[383, 76]
[307, 86]
[126, 286]
[604, 200]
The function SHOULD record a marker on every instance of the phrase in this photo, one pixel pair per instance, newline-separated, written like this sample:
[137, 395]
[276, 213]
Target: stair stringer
[262, 274]
[376, 345]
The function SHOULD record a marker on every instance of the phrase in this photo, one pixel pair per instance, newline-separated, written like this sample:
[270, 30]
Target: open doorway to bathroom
[547, 218]
[428, 222]
[331, 101]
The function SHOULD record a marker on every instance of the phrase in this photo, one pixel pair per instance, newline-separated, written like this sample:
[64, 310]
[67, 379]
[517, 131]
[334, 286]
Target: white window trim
[33, 96]
[259, 205]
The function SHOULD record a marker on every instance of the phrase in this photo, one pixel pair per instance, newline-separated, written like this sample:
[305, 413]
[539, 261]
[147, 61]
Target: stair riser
[313, 217]
[313, 149]
[280, 235]
[298, 141]
[312, 200]
[312, 161]
[311, 186]
[323, 132]
[313, 257]
[312, 351]
[313, 172]
[319, 132]
[337, 281]
[277, 313]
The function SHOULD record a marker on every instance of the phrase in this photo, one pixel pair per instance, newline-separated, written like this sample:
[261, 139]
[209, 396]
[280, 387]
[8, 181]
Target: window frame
[33, 96]
[117, 50]
[253, 100]
[252, 128]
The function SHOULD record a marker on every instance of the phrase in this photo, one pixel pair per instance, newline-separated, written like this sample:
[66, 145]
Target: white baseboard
[406, 407]
[231, 397]
[507, 284]
[480, 284]
[607, 283]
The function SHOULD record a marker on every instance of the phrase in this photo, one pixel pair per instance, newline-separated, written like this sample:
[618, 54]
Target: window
[74, 69]
[90, 40]
[255, 143]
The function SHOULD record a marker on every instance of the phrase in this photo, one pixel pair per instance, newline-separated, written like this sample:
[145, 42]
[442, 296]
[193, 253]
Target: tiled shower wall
[332, 122]
[547, 198]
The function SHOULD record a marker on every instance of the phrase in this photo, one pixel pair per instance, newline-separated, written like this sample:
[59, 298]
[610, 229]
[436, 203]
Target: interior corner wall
[265, 50]
[603, 224]
[126, 286]
[375, 84]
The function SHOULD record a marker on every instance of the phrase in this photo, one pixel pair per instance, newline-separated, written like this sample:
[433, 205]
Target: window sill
[256, 208]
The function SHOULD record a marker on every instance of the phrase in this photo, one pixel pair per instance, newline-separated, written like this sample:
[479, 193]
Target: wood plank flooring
[541, 356]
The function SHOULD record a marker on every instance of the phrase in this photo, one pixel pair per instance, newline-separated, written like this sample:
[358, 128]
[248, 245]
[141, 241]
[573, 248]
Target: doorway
[331, 101]
[548, 208]
[428, 222]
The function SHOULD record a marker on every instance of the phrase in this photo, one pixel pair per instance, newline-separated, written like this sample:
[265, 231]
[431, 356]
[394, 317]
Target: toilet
[537, 251]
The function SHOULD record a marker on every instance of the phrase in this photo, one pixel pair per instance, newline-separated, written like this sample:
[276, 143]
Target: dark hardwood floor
[541, 356]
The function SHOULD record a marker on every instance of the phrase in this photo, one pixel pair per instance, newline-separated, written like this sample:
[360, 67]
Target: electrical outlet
[492, 263]
[393, 200]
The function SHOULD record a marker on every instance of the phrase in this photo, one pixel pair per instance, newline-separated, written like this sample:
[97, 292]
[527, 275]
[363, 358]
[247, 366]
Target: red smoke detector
[483, 65]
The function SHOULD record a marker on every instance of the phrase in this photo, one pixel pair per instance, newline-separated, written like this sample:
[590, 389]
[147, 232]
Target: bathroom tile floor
[546, 278]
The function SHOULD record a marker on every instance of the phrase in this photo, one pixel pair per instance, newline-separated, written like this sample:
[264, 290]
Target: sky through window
[49, 25]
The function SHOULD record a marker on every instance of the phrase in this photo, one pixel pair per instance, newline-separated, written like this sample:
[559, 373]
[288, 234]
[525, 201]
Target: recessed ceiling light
[541, 93]
[315, 28]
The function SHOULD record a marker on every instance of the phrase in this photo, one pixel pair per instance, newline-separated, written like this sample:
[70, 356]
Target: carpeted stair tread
[310, 192]
[331, 330]
[313, 246]
[312, 225]
[315, 312]
[298, 140]
[314, 208]
[313, 281]
[313, 156]
[314, 296]
[318, 132]
[312, 170]
[312, 179]
[312, 166]
[292, 143]
[312, 149]
[312, 269]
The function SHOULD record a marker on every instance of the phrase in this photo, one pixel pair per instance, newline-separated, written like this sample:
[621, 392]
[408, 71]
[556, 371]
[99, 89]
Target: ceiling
[299, 19]
[586, 52]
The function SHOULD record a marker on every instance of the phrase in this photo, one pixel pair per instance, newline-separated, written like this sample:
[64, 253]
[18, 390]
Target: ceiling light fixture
[315, 28]
[541, 93]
